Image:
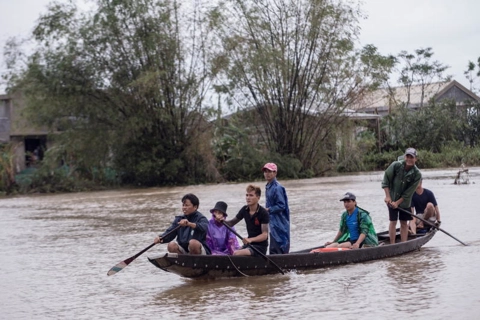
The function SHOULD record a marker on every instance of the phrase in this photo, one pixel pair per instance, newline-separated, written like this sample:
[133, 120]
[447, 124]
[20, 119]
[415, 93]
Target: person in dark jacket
[191, 238]
[277, 206]
[399, 183]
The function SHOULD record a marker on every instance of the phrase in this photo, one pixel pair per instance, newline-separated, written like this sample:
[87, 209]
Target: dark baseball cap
[348, 196]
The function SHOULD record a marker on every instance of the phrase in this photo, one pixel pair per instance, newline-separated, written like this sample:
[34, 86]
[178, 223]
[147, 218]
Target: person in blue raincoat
[277, 207]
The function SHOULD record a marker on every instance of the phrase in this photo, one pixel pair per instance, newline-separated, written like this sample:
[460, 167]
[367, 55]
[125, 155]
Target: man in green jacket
[356, 227]
[399, 183]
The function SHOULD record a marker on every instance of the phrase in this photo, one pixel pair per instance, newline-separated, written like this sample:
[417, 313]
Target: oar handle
[431, 224]
[171, 231]
[253, 247]
[231, 229]
[141, 252]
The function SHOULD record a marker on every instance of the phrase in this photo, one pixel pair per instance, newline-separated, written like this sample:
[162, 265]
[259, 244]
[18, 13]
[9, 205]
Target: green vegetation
[135, 93]
[7, 168]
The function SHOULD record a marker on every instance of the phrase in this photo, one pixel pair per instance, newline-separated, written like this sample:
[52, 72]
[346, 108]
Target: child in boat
[220, 240]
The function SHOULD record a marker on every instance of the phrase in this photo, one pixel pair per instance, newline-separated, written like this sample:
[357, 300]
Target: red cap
[270, 166]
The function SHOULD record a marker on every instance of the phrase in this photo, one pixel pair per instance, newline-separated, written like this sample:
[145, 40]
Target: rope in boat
[233, 264]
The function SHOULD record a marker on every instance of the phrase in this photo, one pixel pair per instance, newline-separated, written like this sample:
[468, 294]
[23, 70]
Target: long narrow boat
[213, 266]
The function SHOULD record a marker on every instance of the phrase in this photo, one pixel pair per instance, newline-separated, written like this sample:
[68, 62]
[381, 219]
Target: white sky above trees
[451, 28]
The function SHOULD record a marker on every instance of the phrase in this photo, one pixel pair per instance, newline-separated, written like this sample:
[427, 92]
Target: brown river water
[56, 250]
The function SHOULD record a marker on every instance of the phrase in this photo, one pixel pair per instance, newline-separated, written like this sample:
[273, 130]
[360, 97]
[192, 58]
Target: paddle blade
[119, 267]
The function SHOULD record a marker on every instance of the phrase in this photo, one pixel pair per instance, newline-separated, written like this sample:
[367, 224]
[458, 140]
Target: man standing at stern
[277, 207]
[399, 183]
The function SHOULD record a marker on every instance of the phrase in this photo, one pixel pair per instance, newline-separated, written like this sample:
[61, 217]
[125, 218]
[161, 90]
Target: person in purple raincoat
[220, 240]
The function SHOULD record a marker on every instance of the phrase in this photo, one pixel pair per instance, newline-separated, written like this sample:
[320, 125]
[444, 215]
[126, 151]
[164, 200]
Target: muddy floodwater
[55, 251]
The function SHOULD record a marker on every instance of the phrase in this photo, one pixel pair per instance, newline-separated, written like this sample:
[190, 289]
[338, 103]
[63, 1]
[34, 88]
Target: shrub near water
[452, 155]
[7, 168]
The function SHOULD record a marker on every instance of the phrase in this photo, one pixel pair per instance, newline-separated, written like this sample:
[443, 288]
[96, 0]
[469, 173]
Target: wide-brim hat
[220, 206]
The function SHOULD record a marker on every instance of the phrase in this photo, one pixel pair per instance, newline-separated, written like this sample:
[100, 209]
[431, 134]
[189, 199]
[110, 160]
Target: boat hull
[209, 266]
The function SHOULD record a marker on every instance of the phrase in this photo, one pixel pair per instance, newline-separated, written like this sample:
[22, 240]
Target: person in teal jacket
[356, 227]
[399, 183]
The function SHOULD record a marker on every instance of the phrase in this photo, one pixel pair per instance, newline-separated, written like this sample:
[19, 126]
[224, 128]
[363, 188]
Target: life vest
[328, 250]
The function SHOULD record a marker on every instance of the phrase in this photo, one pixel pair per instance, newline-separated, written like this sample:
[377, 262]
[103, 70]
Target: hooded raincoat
[220, 240]
[279, 212]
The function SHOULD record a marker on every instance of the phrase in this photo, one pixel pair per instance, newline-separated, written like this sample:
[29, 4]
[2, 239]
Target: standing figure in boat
[425, 205]
[192, 236]
[256, 219]
[356, 227]
[399, 183]
[220, 240]
[277, 206]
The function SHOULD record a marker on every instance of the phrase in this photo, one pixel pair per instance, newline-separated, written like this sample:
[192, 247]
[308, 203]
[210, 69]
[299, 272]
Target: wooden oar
[431, 224]
[119, 267]
[253, 247]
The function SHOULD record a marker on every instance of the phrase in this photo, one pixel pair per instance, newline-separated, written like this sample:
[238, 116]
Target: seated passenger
[191, 238]
[356, 227]
[220, 240]
[425, 205]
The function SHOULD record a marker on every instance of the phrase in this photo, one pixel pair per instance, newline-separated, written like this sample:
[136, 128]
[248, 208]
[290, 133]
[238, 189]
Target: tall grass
[7, 168]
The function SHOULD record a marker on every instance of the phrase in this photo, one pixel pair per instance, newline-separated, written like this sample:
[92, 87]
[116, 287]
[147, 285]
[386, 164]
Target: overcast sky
[451, 28]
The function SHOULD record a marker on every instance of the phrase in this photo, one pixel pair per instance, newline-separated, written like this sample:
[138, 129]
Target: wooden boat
[210, 267]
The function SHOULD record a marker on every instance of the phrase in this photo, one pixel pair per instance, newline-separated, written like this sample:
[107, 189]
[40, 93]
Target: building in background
[384, 100]
[29, 142]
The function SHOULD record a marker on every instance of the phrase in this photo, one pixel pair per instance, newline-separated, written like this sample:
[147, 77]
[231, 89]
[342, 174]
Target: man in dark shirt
[191, 238]
[256, 219]
[425, 206]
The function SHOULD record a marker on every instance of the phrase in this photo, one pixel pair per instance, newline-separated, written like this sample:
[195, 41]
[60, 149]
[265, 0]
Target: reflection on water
[413, 280]
[56, 249]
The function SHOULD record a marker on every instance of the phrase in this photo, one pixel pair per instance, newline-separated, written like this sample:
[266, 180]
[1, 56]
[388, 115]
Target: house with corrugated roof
[382, 101]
